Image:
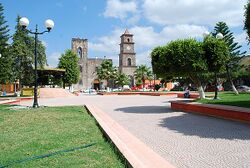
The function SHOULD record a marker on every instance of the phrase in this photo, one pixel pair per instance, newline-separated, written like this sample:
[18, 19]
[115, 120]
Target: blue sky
[153, 22]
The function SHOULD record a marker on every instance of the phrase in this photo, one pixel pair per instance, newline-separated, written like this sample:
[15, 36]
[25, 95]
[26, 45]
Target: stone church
[88, 66]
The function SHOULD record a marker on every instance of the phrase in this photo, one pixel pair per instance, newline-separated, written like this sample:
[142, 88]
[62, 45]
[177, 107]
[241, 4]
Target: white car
[126, 88]
[243, 88]
[90, 91]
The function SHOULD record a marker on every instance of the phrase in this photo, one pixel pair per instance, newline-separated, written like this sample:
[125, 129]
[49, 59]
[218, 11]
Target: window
[128, 39]
[79, 52]
[129, 62]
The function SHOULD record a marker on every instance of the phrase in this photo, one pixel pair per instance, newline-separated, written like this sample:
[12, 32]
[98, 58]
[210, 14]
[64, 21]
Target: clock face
[128, 47]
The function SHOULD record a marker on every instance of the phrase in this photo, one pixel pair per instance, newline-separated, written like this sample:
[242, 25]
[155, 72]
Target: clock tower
[127, 58]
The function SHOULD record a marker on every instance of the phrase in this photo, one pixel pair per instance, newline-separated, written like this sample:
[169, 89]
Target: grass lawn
[229, 98]
[25, 133]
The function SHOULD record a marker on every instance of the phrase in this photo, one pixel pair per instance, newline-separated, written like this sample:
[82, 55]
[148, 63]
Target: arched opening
[129, 62]
[128, 40]
[132, 81]
[79, 52]
[80, 67]
[96, 84]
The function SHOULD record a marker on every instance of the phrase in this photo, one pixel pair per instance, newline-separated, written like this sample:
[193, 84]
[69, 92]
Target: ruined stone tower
[88, 78]
[80, 46]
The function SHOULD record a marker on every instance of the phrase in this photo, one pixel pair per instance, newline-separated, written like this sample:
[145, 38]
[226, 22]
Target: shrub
[157, 87]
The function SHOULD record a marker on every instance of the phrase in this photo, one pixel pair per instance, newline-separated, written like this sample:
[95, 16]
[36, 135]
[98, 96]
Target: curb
[136, 153]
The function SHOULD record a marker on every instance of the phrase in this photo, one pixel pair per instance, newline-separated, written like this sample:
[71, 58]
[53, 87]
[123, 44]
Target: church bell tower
[127, 56]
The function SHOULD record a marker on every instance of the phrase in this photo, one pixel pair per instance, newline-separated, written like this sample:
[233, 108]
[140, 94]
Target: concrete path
[183, 139]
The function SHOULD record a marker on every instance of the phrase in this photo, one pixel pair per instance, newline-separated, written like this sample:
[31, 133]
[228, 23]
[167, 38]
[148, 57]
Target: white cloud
[143, 58]
[199, 12]
[53, 59]
[145, 39]
[120, 9]
[107, 44]
[148, 37]
[241, 38]
[134, 19]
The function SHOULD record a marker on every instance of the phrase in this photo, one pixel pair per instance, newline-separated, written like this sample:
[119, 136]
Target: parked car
[117, 89]
[211, 88]
[90, 91]
[126, 88]
[243, 88]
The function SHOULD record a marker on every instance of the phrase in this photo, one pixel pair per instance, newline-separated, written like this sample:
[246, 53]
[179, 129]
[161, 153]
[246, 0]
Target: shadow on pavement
[207, 127]
[145, 109]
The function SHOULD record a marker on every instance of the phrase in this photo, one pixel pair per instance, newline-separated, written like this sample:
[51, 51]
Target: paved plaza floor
[183, 139]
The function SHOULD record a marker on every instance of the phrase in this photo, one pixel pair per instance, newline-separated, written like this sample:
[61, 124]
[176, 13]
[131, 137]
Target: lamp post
[24, 22]
[154, 82]
[218, 36]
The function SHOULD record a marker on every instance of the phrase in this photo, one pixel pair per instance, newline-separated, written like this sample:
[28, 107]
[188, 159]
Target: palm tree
[142, 73]
[150, 77]
[106, 71]
[122, 79]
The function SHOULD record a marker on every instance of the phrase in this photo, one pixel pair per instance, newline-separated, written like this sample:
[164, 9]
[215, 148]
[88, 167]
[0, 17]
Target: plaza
[183, 139]
[115, 83]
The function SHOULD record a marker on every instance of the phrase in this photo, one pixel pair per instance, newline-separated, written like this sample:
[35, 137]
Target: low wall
[139, 93]
[17, 100]
[221, 111]
[192, 95]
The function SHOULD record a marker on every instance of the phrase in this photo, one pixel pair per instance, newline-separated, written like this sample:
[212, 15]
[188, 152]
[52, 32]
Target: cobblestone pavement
[184, 139]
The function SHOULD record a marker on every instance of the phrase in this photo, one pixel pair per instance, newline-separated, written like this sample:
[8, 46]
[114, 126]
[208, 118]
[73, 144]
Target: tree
[5, 59]
[69, 62]
[22, 51]
[150, 77]
[217, 54]
[142, 73]
[106, 71]
[180, 58]
[22, 57]
[247, 19]
[41, 55]
[234, 49]
[122, 79]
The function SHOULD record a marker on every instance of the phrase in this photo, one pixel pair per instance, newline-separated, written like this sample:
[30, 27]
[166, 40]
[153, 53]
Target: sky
[153, 23]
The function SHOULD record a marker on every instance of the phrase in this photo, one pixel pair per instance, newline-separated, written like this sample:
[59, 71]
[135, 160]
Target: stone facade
[88, 77]
[127, 56]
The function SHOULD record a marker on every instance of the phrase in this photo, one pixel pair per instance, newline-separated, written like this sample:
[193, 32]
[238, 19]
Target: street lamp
[218, 36]
[154, 81]
[24, 22]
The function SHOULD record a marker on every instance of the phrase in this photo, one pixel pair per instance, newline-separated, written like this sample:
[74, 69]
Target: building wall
[128, 70]
[124, 59]
[92, 66]
[88, 65]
